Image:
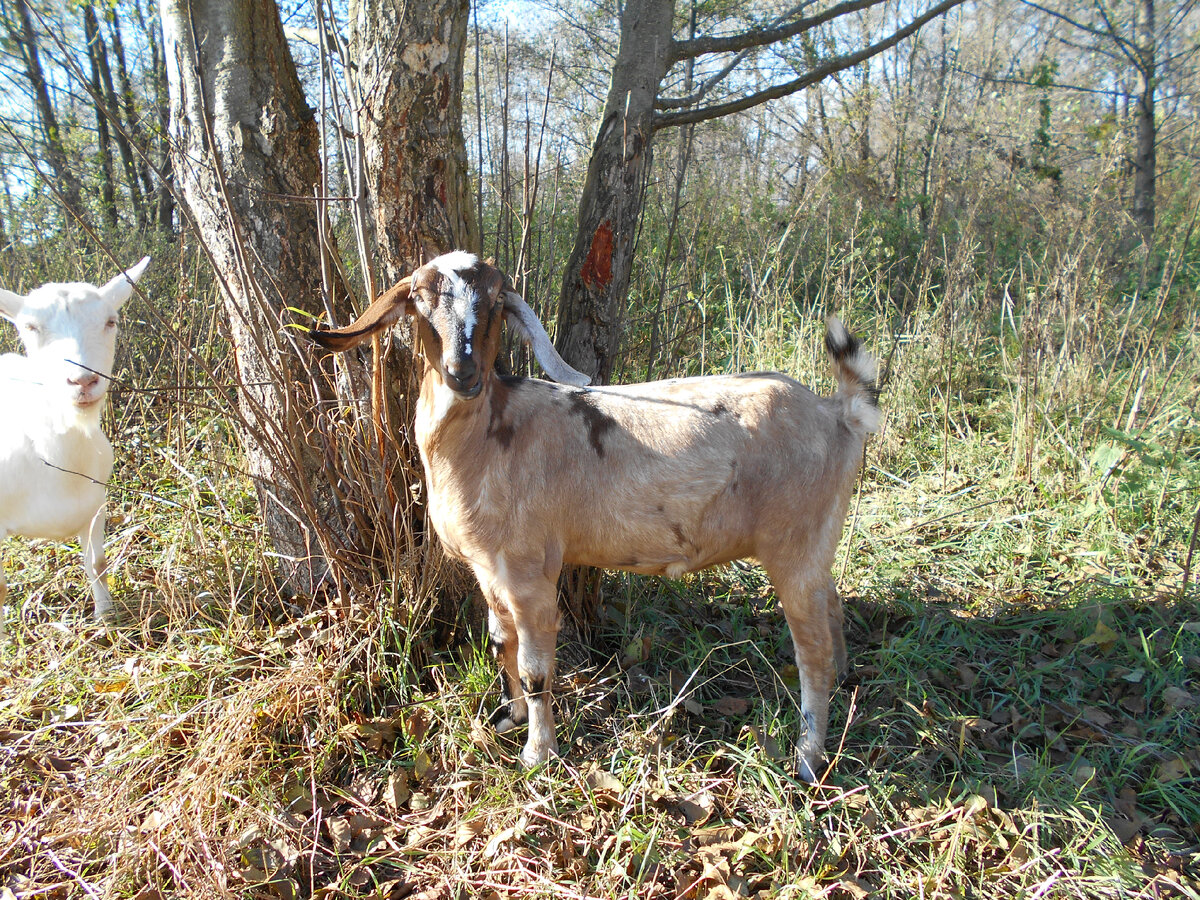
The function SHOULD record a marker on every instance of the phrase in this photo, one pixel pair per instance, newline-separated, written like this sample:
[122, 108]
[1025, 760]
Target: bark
[410, 72]
[247, 160]
[165, 192]
[591, 304]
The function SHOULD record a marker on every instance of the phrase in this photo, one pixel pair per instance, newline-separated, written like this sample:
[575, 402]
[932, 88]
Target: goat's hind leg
[805, 602]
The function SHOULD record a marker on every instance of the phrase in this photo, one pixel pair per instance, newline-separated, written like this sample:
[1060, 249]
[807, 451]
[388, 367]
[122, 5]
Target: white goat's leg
[805, 606]
[512, 710]
[3, 590]
[536, 615]
[96, 565]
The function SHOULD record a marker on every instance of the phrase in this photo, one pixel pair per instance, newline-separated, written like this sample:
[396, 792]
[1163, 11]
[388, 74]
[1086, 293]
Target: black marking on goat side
[598, 422]
[535, 684]
[719, 408]
[500, 431]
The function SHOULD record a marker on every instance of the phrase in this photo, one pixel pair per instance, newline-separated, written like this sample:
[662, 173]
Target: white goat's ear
[520, 316]
[120, 288]
[10, 304]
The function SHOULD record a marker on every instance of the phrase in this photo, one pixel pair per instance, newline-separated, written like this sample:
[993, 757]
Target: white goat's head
[70, 332]
[459, 302]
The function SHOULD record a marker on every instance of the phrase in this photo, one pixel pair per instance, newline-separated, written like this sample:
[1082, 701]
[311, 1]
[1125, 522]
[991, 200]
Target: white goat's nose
[85, 381]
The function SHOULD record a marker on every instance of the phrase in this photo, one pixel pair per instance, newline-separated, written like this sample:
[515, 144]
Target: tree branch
[1129, 51]
[690, 49]
[837, 64]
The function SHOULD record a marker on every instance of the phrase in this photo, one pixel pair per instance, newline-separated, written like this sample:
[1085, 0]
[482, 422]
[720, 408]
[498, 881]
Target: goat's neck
[445, 420]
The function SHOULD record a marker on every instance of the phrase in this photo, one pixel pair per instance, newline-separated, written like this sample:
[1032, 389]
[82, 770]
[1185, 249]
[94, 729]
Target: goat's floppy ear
[120, 288]
[518, 315]
[10, 304]
[387, 309]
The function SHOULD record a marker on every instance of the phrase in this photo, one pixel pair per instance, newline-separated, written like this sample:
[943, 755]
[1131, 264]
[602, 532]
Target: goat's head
[70, 332]
[458, 302]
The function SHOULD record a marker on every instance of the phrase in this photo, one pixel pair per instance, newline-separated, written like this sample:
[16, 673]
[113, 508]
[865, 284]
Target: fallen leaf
[1097, 716]
[601, 780]
[1177, 698]
[768, 744]
[397, 792]
[417, 725]
[422, 764]
[967, 676]
[467, 831]
[498, 840]
[1173, 770]
[1102, 638]
[731, 706]
[340, 833]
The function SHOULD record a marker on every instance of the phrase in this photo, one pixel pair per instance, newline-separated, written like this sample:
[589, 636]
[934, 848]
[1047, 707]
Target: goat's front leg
[512, 710]
[96, 565]
[536, 616]
[523, 620]
[3, 588]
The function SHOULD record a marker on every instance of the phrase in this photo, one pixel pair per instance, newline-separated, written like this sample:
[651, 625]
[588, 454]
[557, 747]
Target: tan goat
[662, 478]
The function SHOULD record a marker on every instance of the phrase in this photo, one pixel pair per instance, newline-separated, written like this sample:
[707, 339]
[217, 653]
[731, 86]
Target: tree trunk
[165, 197]
[112, 113]
[247, 161]
[410, 74]
[591, 305]
[1144, 161]
[136, 131]
[95, 49]
[56, 155]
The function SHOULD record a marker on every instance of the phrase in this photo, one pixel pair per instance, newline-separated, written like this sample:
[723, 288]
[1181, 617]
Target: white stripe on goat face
[463, 295]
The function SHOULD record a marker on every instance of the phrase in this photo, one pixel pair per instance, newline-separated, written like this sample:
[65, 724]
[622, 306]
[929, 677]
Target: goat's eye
[30, 327]
[111, 323]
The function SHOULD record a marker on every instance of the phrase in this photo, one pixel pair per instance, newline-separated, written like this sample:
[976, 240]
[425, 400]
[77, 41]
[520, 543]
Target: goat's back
[667, 476]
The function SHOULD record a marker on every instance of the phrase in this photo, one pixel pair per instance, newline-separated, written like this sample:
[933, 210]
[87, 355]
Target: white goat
[661, 478]
[54, 457]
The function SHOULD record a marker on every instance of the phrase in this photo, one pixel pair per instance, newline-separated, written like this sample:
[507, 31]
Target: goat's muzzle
[462, 377]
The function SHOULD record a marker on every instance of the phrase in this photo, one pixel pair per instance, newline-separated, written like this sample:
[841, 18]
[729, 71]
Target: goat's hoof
[812, 771]
[503, 718]
[531, 757]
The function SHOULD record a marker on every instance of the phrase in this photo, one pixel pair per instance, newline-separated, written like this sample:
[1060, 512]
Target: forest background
[1001, 202]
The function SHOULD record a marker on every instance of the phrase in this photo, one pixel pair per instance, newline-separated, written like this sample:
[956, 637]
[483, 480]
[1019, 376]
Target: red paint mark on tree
[597, 268]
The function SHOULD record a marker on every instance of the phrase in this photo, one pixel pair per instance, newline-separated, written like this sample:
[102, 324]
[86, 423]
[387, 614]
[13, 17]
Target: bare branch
[690, 49]
[833, 66]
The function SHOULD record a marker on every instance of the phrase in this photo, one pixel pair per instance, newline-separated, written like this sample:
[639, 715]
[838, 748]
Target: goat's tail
[856, 372]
